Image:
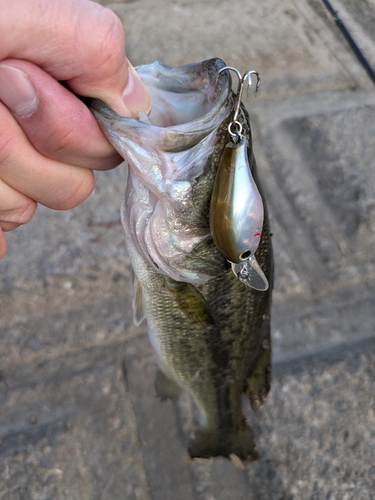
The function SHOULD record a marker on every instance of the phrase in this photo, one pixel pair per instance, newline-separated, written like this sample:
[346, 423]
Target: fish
[209, 330]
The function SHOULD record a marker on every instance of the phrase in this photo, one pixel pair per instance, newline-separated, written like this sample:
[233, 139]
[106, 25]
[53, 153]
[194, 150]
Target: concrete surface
[78, 415]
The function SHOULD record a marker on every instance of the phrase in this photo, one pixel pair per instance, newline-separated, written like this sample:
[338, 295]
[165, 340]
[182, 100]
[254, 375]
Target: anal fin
[166, 387]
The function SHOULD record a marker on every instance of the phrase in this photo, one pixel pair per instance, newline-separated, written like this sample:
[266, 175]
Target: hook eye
[237, 132]
[246, 254]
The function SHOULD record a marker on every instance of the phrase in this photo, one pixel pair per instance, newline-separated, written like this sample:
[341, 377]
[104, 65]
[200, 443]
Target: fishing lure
[236, 211]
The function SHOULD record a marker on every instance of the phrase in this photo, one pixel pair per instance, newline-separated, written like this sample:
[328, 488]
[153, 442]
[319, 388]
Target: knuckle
[26, 213]
[74, 196]
[7, 145]
[9, 135]
[57, 142]
[110, 40]
[19, 215]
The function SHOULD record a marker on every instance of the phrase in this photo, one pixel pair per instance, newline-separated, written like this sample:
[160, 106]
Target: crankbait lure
[236, 211]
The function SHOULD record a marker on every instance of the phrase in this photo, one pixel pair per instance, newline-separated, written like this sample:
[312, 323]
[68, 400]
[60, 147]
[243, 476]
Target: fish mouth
[184, 93]
[188, 103]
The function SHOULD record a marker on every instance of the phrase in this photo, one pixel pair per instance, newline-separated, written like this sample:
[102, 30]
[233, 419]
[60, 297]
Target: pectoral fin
[191, 302]
[138, 301]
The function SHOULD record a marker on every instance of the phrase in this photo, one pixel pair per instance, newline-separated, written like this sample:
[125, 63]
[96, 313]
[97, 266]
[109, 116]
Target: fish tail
[226, 443]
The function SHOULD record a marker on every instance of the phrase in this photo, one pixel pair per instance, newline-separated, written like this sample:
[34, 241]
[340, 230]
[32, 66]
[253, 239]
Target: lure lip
[251, 274]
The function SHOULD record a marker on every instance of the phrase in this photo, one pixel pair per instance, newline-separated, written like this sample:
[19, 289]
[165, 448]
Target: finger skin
[3, 244]
[62, 127]
[91, 32]
[76, 41]
[47, 181]
[16, 208]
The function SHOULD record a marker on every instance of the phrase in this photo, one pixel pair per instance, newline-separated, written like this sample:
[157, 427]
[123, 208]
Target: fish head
[165, 208]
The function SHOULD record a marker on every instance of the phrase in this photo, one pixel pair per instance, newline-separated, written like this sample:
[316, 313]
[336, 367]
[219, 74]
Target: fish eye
[246, 254]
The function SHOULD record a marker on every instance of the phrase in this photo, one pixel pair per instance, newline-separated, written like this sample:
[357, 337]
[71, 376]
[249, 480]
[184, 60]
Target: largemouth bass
[211, 333]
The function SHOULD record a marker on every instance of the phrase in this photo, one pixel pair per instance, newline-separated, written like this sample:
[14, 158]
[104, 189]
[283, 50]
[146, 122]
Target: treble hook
[235, 127]
[241, 83]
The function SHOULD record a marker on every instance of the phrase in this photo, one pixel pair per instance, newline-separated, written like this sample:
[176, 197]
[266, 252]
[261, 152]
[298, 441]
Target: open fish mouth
[188, 102]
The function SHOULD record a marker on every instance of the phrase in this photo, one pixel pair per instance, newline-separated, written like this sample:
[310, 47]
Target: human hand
[49, 140]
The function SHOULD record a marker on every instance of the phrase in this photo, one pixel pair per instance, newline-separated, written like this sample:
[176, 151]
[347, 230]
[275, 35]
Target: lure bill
[197, 229]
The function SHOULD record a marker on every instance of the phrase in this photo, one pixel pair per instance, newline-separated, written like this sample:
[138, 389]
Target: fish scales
[210, 332]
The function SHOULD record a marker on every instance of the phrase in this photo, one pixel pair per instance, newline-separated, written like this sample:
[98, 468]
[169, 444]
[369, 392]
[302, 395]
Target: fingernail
[17, 91]
[136, 96]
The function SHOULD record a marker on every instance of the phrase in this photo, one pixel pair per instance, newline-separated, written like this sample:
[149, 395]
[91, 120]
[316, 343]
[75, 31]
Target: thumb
[86, 49]
[124, 98]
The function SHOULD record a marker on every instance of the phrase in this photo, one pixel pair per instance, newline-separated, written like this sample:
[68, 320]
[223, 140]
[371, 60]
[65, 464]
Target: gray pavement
[78, 414]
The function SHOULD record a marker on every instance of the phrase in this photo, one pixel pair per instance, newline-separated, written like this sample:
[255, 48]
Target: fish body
[210, 332]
